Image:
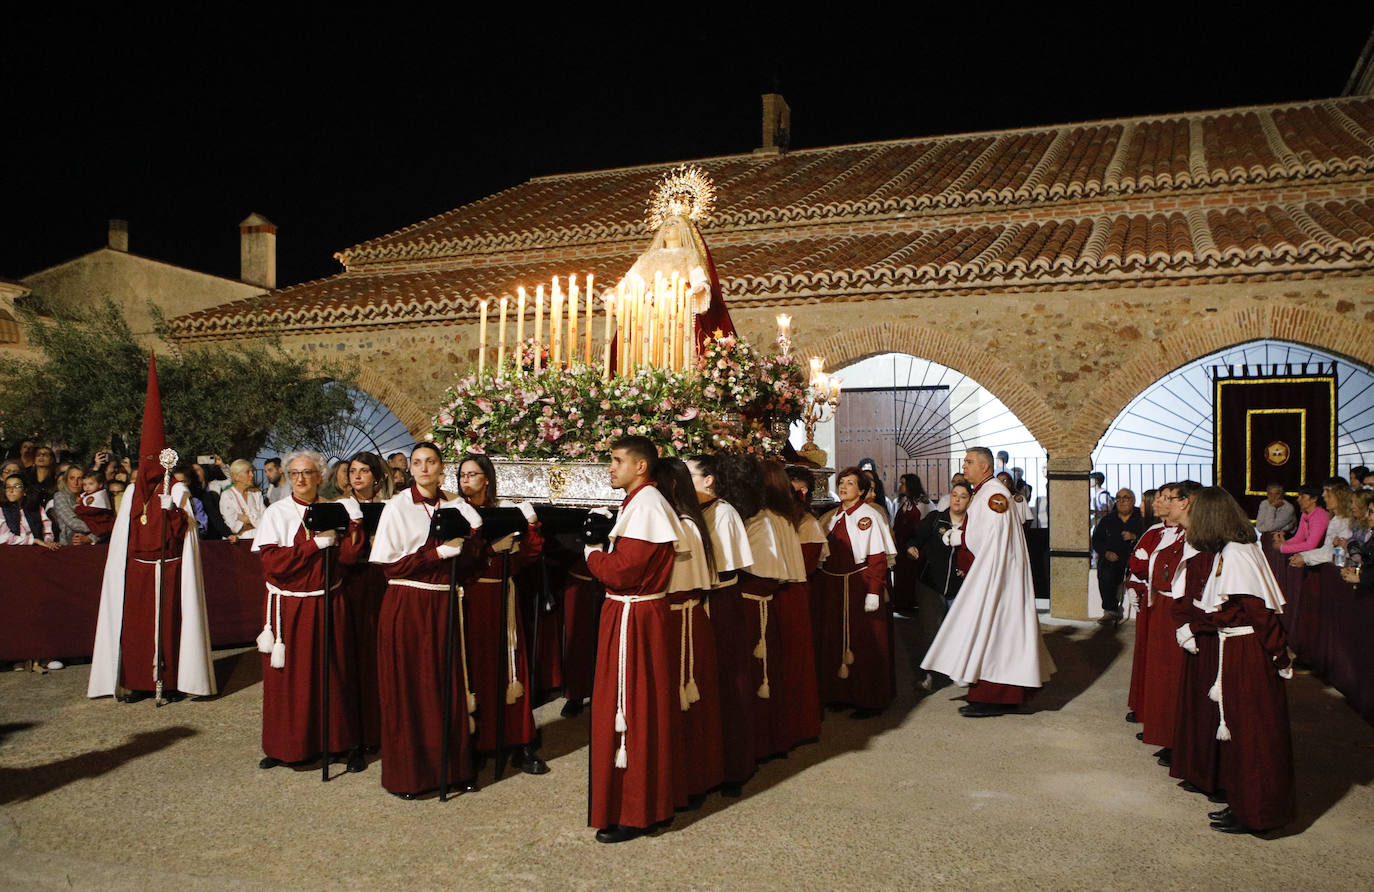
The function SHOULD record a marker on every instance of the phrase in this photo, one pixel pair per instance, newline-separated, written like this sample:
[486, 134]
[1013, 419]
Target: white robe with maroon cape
[992, 632]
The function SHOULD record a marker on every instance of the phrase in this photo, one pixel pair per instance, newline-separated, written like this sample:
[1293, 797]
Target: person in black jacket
[1113, 540]
[928, 541]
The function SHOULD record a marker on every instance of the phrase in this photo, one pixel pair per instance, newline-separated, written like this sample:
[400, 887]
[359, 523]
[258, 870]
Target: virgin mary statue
[683, 197]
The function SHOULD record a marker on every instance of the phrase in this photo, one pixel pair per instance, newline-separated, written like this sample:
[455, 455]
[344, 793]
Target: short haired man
[1113, 540]
[1276, 514]
[635, 709]
[990, 640]
[278, 487]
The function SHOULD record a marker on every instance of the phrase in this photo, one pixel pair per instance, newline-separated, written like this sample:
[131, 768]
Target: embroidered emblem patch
[1277, 453]
[998, 502]
[1019, 498]
[865, 522]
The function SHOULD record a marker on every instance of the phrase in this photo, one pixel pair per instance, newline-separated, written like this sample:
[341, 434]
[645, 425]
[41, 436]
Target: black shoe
[469, 787]
[696, 801]
[408, 797]
[618, 833]
[1190, 787]
[1162, 753]
[734, 791]
[172, 696]
[136, 696]
[357, 761]
[866, 713]
[1130, 717]
[1222, 814]
[268, 762]
[1219, 797]
[527, 760]
[984, 710]
[571, 710]
[1140, 735]
[1230, 828]
[1167, 759]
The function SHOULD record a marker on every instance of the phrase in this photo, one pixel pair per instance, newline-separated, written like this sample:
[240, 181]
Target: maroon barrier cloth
[1327, 622]
[49, 599]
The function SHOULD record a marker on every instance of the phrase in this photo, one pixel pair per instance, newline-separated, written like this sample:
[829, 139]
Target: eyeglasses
[471, 475]
[301, 475]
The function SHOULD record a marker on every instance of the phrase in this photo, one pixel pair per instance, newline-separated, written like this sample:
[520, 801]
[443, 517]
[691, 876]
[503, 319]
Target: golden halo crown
[684, 191]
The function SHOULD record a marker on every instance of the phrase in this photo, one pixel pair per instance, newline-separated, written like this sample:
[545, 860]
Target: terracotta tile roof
[1196, 243]
[1257, 191]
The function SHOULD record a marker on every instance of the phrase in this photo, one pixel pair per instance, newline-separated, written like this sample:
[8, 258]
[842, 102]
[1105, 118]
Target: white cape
[992, 632]
[195, 669]
[776, 548]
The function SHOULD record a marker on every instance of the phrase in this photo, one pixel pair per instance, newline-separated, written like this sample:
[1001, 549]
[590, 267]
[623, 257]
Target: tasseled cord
[514, 689]
[846, 655]
[622, 757]
[267, 642]
[1214, 693]
[463, 653]
[687, 691]
[761, 649]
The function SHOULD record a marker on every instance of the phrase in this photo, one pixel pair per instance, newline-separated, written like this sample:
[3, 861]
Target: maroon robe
[292, 695]
[1139, 568]
[410, 661]
[1164, 662]
[1194, 742]
[488, 664]
[907, 569]
[799, 700]
[582, 600]
[641, 793]
[1257, 762]
[140, 579]
[767, 723]
[737, 631]
[364, 590]
[700, 752]
[871, 681]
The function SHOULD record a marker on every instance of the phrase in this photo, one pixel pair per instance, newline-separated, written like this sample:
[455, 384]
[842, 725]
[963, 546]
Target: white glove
[451, 548]
[166, 501]
[528, 510]
[870, 603]
[953, 537]
[1184, 634]
[324, 540]
[602, 510]
[588, 549]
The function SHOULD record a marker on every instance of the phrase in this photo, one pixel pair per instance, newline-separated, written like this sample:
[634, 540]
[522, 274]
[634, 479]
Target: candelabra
[822, 398]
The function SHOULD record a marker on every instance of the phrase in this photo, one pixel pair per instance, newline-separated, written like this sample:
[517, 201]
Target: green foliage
[227, 399]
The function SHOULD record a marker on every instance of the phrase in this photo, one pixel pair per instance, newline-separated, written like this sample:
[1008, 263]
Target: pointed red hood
[153, 439]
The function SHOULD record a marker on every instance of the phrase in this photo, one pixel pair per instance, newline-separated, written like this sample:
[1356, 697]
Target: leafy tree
[87, 390]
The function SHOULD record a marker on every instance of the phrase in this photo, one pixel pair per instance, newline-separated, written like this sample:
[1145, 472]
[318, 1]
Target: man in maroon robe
[635, 708]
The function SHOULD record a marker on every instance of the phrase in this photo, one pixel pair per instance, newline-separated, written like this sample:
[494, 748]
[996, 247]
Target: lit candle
[501, 340]
[671, 333]
[835, 384]
[606, 360]
[482, 340]
[520, 331]
[572, 320]
[587, 336]
[538, 328]
[816, 364]
[620, 328]
[556, 325]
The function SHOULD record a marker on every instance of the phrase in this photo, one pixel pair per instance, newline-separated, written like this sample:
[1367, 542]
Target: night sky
[340, 126]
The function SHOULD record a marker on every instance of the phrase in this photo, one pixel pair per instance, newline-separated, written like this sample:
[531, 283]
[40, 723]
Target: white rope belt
[514, 689]
[164, 560]
[275, 644]
[687, 691]
[761, 649]
[622, 758]
[1223, 732]
[846, 654]
[579, 576]
[471, 698]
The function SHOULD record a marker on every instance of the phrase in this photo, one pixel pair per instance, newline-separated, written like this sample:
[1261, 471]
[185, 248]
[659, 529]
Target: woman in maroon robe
[911, 498]
[364, 587]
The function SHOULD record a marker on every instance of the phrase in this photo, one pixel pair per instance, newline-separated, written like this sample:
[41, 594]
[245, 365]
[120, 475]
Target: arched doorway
[911, 415]
[1165, 432]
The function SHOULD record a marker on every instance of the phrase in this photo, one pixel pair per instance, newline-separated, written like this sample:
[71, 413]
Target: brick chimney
[258, 251]
[119, 236]
[777, 125]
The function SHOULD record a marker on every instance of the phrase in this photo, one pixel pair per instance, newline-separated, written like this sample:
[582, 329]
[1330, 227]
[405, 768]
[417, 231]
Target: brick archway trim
[410, 413]
[939, 345]
[1331, 332]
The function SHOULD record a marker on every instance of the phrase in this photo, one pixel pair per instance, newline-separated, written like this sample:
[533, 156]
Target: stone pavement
[100, 795]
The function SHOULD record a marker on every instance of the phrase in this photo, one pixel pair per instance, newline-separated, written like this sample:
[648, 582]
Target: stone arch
[1003, 380]
[1332, 332]
[414, 416]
